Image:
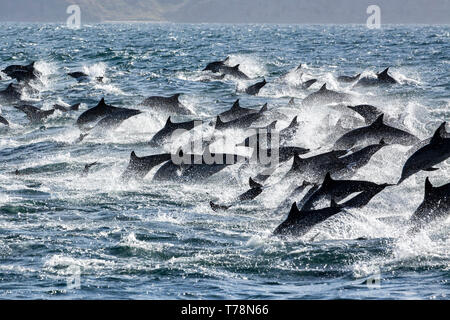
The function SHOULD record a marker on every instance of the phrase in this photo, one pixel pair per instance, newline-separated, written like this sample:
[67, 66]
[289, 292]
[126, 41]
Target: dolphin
[358, 159]
[216, 65]
[15, 67]
[169, 128]
[423, 143]
[34, 114]
[288, 133]
[234, 72]
[61, 108]
[254, 89]
[255, 190]
[308, 83]
[112, 121]
[435, 206]
[382, 78]
[241, 123]
[314, 169]
[197, 168]
[236, 112]
[139, 167]
[4, 121]
[375, 132]
[339, 190]
[299, 222]
[21, 75]
[368, 112]
[101, 110]
[425, 158]
[348, 79]
[11, 93]
[323, 95]
[170, 105]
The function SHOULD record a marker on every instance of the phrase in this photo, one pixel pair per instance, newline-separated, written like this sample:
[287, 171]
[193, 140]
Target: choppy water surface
[148, 240]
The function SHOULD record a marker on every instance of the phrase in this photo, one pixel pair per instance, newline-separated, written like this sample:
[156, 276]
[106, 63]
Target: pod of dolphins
[324, 177]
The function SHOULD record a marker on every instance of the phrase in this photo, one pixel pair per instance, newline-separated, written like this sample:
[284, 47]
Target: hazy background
[233, 11]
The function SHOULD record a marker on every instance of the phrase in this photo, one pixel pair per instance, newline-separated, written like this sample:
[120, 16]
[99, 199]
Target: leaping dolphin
[348, 79]
[169, 128]
[97, 113]
[425, 158]
[339, 190]
[15, 67]
[382, 78]
[241, 123]
[299, 222]
[435, 206]
[375, 132]
[34, 114]
[170, 105]
[325, 96]
[216, 65]
[139, 167]
[368, 112]
[234, 72]
[254, 89]
[235, 112]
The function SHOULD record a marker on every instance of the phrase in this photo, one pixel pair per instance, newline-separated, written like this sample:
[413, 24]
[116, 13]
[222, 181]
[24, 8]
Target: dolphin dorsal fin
[133, 156]
[226, 59]
[175, 97]
[378, 121]
[264, 108]
[327, 180]
[272, 126]
[291, 102]
[384, 73]
[442, 130]
[102, 103]
[168, 122]
[382, 142]
[293, 123]
[236, 105]
[236, 67]
[294, 211]
[297, 162]
[428, 188]
[253, 184]
[323, 88]
[264, 81]
[437, 136]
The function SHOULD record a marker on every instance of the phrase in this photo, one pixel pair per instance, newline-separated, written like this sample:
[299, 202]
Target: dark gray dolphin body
[23, 76]
[375, 132]
[234, 72]
[216, 65]
[241, 123]
[170, 105]
[435, 206]
[425, 158]
[348, 79]
[314, 169]
[299, 222]
[325, 96]
[382, 78]
[139, 167]
[169, 128]
[14, 68]
[339, 190]
[254, 89]
[197, 168]
[100, 111]
[423, 143]
[112, 121]
[34, 114]
[358, 159]
[368, 112]
[11, 93]
[236, 112]
[4, 121]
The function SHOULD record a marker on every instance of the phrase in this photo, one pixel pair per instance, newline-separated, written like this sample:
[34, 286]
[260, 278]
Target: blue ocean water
[149, 240]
